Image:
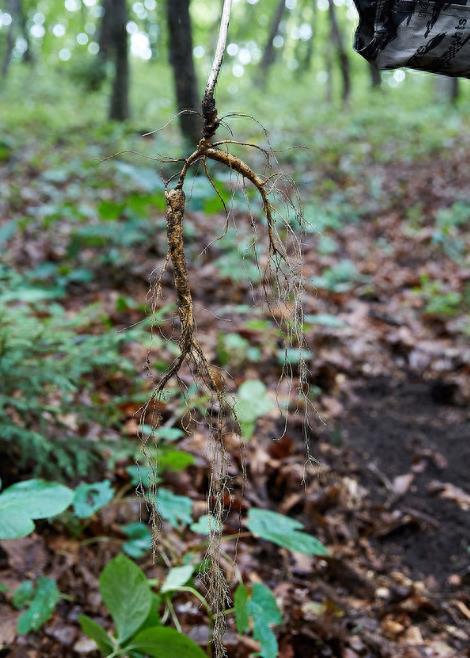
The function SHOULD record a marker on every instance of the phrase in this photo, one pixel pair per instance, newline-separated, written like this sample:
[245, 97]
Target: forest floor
[387, 334]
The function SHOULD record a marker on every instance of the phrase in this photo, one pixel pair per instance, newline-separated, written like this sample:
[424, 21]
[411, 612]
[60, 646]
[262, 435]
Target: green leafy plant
[89, 498]
[324, 320]
[252, 402]
[447, 234]
[139, 539]
[46, 359]
[39, 600]
[293, 356]
[283, 531]
[235, 350]
[256, 610]
[438, 301]
[340, 278]
[238, 260]
[332, 213]
[175, 509]
[205, 524]
[24, 502]
[134, 608]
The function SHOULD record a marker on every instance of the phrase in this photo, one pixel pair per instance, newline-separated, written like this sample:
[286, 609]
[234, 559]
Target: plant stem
[209, 109]
[198, 596]
[173, 616]
[219, 51]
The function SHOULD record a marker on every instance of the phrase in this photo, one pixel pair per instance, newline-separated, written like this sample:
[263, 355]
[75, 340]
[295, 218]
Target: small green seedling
[252, 403]
[135, 610]
[38, 601]
[257, 611]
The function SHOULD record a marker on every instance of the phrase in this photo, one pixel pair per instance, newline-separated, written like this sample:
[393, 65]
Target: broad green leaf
[231, 348]
[126, 593]
[177, 577]
[205, 524]
[41, 607]
[96, 633]
[240, 601]
[141, 475]
[269, 647]
[140, 539]
[28, 500]
[325, 320]
[339, 278]
[23, 594]
[264, 600]
[31, 294]
[252, 402]
[327, 245]
[283, 531]
[174, 460]
[169, 433]
[153, 617]
[143, 177]
[164, 642]
[89, 498]
[173, 508]
[263, 609]
[110, 210]
[293, 355]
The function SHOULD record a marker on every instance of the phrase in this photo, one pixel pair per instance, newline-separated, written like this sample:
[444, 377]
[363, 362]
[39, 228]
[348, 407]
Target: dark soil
[400, 428]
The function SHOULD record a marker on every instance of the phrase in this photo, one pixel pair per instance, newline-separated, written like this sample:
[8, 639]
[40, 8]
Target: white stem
[220, 49]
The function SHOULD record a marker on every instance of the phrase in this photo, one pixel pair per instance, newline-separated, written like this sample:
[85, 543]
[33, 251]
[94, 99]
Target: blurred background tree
[91, 41]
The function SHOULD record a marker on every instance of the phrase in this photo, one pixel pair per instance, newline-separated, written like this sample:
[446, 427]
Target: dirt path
[415, 454]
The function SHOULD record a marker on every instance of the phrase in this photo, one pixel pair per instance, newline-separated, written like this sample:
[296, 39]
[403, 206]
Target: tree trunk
[119, 106]
[13, 10]
[180, 46]
[343, 59]
[104, 35]
[18, 26]
[329, 75]
[28, 56]
[269, 53]
[307, 60]
[375, 76]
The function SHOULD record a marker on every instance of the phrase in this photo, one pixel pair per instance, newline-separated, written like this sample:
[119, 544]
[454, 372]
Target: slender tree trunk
[104, 35]
[28, 56]
[13, 10]
[119, 106]
[308, 57]
[269, 53]
[180, 46]
[18, 26]
[343, 59]
[329, 75]
[375, 76]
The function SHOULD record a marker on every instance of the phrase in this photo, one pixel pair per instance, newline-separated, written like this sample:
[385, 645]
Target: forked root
[175, 202]
[191, 351]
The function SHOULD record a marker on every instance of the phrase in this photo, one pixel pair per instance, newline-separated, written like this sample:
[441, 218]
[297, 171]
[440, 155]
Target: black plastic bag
[420, 34]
